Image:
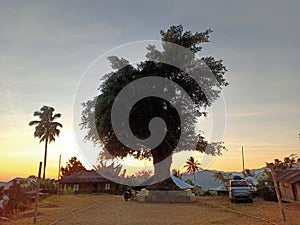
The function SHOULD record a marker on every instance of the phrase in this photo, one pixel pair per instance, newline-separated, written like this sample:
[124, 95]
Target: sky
[46, 47]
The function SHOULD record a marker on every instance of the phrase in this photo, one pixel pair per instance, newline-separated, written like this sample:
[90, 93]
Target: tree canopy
[288, 162]
[73, 166]
[192, 166]
[179, 115]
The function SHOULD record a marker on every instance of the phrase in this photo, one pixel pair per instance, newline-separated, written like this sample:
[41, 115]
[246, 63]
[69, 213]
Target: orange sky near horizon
[21, 158]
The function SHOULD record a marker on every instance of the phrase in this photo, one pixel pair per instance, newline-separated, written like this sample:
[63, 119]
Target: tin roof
[289, 176]
[180, 183]
[89, 176]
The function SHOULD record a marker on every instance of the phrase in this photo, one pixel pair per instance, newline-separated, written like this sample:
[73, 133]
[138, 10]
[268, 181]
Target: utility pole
[58, 175]
[271, 166]
[59, 162]
[243, 159]
[37, 193]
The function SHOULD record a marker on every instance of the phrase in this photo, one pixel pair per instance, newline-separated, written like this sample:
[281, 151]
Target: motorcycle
[128, 195]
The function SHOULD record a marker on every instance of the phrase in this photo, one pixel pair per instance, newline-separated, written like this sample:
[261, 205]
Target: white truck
[239, 190]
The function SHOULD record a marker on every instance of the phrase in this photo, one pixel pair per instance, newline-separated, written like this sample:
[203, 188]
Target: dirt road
[119, 212]
[111, 209]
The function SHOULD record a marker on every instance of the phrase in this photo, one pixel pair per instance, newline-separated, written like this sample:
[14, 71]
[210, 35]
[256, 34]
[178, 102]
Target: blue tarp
[180, 183]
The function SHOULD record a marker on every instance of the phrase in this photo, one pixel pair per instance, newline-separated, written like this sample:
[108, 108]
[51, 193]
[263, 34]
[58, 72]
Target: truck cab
[239, 190]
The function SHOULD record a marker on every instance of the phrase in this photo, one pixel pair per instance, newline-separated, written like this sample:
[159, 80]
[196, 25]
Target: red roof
[289, 176]
[89, 176]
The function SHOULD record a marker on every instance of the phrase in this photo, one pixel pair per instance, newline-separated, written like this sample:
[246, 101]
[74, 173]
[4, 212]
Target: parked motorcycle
[128, 195]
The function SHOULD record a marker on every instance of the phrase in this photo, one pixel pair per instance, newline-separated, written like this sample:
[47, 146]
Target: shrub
[197, 190]
[69, 191]
[19, 198]
[190, 182]
[267, 192]
[49, 185]
[209, 193]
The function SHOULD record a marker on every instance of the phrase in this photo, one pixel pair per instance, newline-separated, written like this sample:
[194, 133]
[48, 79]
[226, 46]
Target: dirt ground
[112, 209]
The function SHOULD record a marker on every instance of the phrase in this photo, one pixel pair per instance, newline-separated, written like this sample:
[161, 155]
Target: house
[88, 182]
[289, 185]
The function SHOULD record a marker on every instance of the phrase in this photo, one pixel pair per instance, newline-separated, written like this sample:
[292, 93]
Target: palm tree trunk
[195, 178]
[45, 158]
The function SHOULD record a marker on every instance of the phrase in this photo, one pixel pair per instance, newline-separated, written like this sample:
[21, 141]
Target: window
[239, 183]
[76, 187]
[107, 186]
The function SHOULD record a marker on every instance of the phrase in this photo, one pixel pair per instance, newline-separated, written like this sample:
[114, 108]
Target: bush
[209, 193]
[69, 191]
[49, 186]
[197, 190]
[190, 182]
[267, 193]
[19, 198]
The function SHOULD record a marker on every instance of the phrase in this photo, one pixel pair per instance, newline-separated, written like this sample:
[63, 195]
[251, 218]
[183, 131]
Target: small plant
[206, 193]
[209, 193]
[69, 191]
[190, 182]
[197, 190]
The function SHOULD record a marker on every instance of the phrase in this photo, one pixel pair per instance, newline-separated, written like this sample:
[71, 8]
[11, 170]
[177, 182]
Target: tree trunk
[162, 169]
[162, 160]
[45, 159]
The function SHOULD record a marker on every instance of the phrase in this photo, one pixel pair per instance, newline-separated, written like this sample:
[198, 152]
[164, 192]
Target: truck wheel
[232, 201]
[250, 200]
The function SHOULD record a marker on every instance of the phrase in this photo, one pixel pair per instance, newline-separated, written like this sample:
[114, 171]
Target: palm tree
[46, 129]
[192, 166]
[222, 177]
[219, 176]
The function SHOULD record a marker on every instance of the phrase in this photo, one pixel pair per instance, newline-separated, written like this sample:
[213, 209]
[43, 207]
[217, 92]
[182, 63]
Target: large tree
[97, 113]
[46, 129]
[73, 166]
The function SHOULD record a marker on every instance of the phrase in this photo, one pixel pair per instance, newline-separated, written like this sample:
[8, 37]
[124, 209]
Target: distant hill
[205, 179]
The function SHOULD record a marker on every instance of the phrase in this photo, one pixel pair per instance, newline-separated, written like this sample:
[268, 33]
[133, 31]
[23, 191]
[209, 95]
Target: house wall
[85, 188]
[297, 191]
[108, 187]
[286, 190]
